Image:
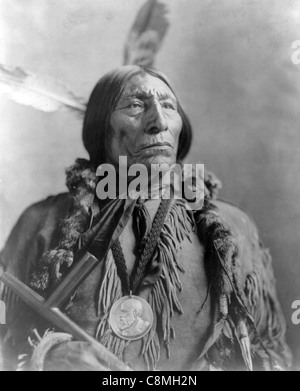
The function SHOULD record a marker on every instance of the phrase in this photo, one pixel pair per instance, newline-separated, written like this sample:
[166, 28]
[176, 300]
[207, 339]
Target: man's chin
[148, 160]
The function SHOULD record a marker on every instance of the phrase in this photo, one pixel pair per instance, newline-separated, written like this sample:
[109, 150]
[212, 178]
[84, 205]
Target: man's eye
[135, 105]
[167, 105]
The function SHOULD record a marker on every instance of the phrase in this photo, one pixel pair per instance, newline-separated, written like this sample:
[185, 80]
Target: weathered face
[146, 124]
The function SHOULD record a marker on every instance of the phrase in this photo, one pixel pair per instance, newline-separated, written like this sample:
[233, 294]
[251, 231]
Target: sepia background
[230, 62]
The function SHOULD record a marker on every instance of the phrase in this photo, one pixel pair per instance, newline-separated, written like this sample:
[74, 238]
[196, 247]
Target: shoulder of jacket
[252, 254]
[42, 216]
[236, 216]
[48, 205]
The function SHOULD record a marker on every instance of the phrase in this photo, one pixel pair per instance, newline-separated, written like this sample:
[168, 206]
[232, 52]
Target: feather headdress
[146, 34]
[40, 92]
[49, 95]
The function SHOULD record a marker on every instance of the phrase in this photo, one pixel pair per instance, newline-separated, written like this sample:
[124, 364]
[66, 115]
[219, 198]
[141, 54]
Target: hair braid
[220, 253]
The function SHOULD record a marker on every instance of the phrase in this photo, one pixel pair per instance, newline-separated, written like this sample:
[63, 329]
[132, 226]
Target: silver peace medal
[131, 317]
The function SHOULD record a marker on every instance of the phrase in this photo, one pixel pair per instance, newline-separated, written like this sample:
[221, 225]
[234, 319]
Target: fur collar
[81, 182]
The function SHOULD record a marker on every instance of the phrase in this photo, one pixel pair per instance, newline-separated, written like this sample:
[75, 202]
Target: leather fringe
[163, 296]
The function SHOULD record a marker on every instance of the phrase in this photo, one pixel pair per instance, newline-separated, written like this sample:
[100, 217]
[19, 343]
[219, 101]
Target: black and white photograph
[149, 187]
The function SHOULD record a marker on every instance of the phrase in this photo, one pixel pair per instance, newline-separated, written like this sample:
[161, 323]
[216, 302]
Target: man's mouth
[156, 145]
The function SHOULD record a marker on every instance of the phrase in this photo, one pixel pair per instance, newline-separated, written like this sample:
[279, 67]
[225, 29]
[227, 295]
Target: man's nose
[156, 120]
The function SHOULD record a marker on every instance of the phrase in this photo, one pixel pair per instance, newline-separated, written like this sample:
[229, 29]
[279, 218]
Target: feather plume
[146, 34]
[40, 92]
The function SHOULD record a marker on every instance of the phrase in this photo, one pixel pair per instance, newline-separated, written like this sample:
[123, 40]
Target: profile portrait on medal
[131, 322]
[131, 317]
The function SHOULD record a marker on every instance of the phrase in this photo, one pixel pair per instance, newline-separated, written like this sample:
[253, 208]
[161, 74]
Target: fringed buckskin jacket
[210, 285]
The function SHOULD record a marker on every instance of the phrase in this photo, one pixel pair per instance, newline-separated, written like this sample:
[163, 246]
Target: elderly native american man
[208, 282]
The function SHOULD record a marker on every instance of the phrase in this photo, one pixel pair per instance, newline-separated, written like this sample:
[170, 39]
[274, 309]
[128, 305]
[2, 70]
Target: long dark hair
[102, 103]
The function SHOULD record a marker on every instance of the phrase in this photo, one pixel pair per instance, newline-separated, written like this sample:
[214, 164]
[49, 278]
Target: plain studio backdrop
[230, 62]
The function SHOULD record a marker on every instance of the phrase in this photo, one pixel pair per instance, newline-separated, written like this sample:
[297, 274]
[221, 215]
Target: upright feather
[146, 35]
[40, 92]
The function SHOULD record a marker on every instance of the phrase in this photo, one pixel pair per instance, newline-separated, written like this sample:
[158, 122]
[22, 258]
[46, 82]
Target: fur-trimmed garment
[243, 328]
